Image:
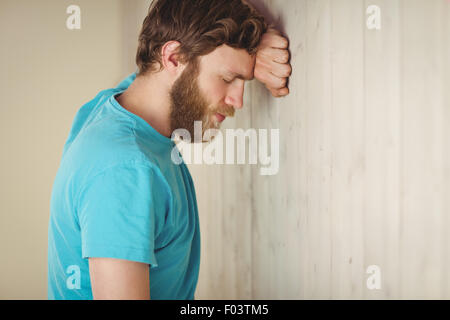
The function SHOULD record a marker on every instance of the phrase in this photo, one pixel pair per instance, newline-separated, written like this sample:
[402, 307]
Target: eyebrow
[240, 76]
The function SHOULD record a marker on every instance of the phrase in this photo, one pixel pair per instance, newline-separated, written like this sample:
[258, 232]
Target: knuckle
[281, 83]
[284, 57]
[288, 70]
[284, 43]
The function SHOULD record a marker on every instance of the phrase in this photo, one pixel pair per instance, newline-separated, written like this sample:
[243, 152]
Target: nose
[235, 95]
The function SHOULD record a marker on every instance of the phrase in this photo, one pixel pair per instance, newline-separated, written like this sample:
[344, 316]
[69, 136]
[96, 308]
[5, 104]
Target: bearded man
[124, 219]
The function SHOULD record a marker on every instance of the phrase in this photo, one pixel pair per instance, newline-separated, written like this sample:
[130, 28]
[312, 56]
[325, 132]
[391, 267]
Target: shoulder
[133, 184]
[133, 171]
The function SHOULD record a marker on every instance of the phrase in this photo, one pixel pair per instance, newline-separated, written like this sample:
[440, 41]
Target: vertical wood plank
[445, 121]
[348, 149]
[277, 227]
[382, 145]
[421, 266]
[315, 152]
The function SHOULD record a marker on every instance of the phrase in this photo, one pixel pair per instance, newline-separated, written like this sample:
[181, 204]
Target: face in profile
[208, 88]
[190, 104]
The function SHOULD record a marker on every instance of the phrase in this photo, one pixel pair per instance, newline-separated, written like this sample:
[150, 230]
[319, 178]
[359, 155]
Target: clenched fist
[272, 66]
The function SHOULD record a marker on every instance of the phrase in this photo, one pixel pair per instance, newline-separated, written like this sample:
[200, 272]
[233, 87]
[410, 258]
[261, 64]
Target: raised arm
[272, 66]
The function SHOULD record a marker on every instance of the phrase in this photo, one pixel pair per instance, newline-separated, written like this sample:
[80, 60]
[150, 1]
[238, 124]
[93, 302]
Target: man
[124, 220]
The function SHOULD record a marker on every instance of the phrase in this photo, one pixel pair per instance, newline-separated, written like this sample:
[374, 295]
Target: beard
[188, 104]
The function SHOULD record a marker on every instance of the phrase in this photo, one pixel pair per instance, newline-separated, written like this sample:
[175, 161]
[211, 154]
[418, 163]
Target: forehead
[228, 60]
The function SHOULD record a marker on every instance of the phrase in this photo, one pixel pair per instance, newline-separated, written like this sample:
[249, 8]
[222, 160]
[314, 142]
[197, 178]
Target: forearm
[272, 66]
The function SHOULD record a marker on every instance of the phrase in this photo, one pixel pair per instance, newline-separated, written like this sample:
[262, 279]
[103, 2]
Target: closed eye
[227, 81]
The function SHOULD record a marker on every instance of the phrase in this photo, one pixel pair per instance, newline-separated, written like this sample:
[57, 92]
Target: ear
[171, 58]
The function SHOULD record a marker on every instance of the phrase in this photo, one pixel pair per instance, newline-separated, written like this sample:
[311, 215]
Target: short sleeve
[119, 211]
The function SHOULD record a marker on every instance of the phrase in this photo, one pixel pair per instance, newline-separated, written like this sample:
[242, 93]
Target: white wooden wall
[364, 174]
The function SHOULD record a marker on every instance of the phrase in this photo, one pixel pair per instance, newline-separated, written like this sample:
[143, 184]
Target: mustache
[227, 111]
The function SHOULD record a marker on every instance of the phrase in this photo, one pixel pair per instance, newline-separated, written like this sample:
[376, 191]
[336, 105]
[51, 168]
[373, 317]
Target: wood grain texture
[364, 174]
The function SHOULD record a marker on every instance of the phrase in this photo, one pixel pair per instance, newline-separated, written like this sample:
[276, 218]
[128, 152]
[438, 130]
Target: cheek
[213, 91]
[215, 100]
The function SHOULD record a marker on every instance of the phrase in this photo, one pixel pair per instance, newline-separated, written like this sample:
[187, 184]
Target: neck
[148, 98]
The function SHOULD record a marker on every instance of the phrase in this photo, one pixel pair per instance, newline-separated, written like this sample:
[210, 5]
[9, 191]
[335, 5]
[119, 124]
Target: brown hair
[200, 26]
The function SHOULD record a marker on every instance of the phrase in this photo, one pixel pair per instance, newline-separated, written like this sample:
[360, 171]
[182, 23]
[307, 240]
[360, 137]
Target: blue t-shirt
[118, 194]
